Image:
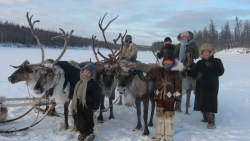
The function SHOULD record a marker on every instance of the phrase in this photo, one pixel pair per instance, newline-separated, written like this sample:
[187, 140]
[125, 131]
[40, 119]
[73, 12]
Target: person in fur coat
[167, 90]
[207, 72]
[129, 51]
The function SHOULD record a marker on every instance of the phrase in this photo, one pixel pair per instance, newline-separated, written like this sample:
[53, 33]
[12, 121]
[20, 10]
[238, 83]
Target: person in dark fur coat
[167, 46]
[167, 90]
[207, 72]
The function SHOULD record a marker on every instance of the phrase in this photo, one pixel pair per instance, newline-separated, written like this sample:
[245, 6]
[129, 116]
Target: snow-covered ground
[232, 119]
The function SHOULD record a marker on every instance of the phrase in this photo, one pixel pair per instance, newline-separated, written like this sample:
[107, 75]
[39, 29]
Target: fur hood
[206, 46]
[178, 65]
[191, 36]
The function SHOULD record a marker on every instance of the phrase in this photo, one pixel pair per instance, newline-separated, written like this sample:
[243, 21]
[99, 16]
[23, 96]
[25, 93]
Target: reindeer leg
[100, 117]
[66, 112]
[138, 110]
[152, 112]
[111, 115]
[188, 102]
[120, 101]
[145, 116]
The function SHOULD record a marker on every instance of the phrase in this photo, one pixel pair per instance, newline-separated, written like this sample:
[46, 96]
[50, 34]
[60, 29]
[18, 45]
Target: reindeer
[136, 90]
[32, 72]
[106, 75]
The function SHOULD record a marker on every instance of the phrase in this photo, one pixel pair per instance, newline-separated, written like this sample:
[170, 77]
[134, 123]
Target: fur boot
[204, 114]
[160, 124]
[3, 110]
[169, 125]
[211, 121]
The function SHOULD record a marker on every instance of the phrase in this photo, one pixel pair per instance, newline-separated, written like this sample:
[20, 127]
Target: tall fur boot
[160, 124]
[205, 118]
[169, 125]
[211, 120]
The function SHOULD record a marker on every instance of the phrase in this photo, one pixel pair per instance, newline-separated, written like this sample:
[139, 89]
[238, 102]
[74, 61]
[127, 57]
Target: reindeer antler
[35, 35]
[66, 40]
[103, 30]
[153, 50]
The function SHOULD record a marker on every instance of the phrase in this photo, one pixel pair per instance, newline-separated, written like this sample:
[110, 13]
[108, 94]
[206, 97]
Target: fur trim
[178, 65]
[206, 46]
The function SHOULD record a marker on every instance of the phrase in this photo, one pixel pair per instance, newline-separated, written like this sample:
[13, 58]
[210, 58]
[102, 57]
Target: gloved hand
[199, 76]
[183, 74]
[158, 54]
[209, 64]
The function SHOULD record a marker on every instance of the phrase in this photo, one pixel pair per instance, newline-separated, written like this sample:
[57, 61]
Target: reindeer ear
[57, 70]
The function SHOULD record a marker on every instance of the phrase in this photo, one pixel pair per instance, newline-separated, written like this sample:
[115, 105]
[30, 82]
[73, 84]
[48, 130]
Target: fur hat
[128, 39]
[90, 67]
[169, 55]
[185, 33]
[167, 39]
[208, 47]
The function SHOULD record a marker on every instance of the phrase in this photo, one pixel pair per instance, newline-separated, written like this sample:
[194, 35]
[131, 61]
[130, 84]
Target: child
[168, 89]
[86, 99]
[207, 72]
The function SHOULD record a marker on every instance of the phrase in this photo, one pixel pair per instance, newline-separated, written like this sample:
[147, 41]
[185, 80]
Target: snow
[231, 119]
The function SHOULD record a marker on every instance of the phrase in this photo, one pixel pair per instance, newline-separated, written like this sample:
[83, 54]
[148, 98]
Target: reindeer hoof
[137, 128]
[100, 121]
[111, 117]
[178, 111]
[150, 124]
[187, 113]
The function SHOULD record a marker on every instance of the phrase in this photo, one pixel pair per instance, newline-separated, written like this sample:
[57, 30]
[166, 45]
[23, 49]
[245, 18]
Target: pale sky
[146, 20]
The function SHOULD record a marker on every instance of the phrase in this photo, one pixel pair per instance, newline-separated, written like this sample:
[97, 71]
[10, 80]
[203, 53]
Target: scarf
[79, 92]
[183, 49]
[168, 67]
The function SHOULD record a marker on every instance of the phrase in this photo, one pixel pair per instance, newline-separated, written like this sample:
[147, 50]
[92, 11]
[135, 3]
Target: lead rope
[94, 118]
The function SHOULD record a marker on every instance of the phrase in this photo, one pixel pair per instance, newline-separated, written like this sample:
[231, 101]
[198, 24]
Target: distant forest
[227, 38]
[14, 33]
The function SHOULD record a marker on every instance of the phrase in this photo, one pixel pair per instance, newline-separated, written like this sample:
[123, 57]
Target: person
[167, 46]
[129, 51]
[185, 46]
[207, 71]
[82, 115]
[85, 101]
[167, 90]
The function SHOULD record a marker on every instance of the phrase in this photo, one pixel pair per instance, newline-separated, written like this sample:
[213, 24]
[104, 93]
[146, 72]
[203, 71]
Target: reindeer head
[24, 72]
[48, 78]
[126, 77]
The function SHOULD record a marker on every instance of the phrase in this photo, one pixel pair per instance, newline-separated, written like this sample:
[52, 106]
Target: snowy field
[232, 119]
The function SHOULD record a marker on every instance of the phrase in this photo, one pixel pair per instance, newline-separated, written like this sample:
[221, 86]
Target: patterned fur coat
[168, 83]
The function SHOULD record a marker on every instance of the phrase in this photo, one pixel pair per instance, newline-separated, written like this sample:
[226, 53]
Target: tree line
[225, 39]
[14, 33]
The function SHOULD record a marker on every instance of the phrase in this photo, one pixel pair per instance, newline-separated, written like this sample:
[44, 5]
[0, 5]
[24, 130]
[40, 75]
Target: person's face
[205, 53]
[86, 73]
[184, 38]
[168, 62]
[167, 42]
